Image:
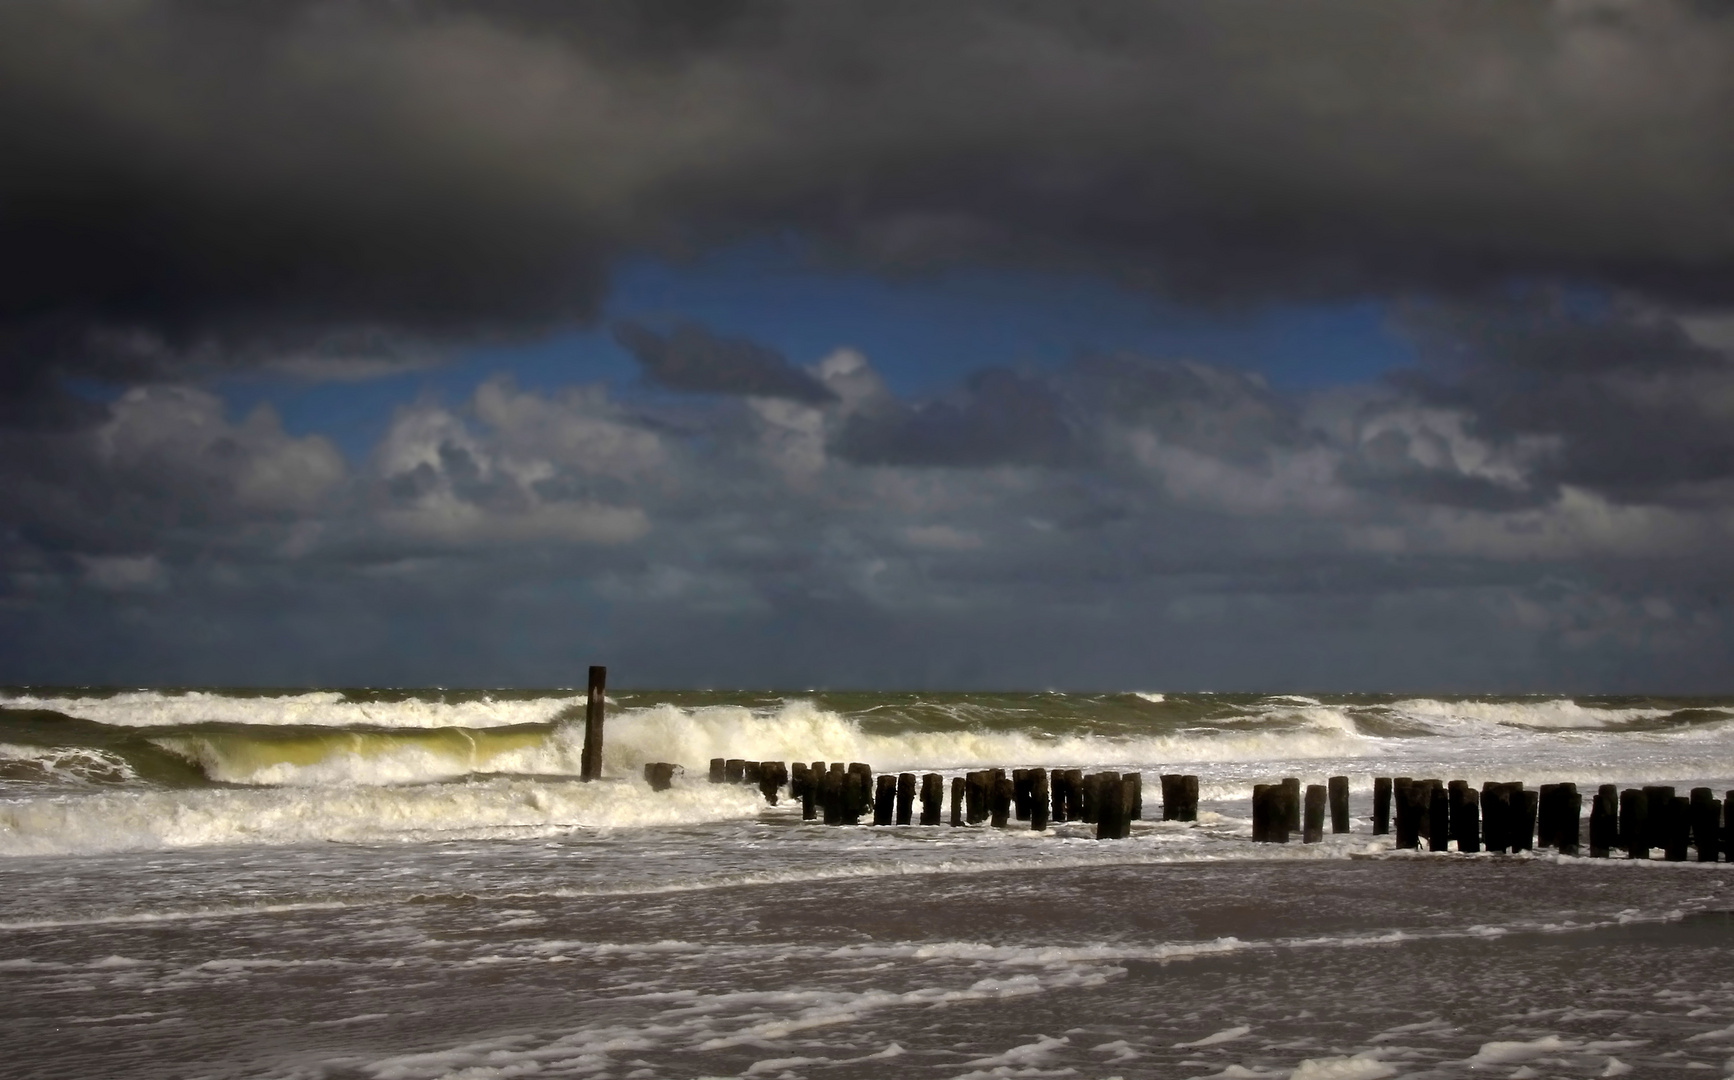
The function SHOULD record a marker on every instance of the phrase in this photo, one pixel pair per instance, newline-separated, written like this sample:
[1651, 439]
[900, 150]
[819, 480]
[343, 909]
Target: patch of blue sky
[924, 333]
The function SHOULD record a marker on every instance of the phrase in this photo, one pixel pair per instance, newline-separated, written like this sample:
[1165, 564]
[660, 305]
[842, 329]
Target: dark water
[412, 884]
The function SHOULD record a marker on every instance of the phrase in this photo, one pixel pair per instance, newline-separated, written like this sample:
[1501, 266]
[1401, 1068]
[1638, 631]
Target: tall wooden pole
[590, 768]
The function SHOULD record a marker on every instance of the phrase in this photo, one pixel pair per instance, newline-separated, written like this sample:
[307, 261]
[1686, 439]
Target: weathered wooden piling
[1060, 800]
[1109, 804]
[1339, 797]
[1135, 802]
[1604, 827]
[1021, 794]
[857, 793]
[1546, 809]
[1524, 804]
[1465, 816]
[1425, 827]
[751, 773]
[810, 790]
[1261, 809]
[975, 794]
[1706, 824]
[1074, 795]
[1568, 819]
[1381, 805]
[1087, 798]
[734, 770]
[885, 800]
[1000, 796]
[659, 775]
[957, 795]
[590, 760]
[718, 770]
[932, 798]
[1728, 825]
[863, 788]
[1495, 810]
[798, 772]
[830, 790]
[1677, 829]
[1412, 800]
[1660, 799]
[1284, 808]
[905, 798]
[1291, 785]
[1635, 823]
[1313, 815]
[1038, 800]
[772, 776]
[1172, 799]
[1438, 817]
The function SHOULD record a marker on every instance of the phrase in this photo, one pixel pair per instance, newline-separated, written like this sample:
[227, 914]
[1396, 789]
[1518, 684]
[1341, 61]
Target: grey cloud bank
[338, 190]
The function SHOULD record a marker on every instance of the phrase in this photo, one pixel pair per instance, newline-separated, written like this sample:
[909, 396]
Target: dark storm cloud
[999, 418]
[1620, 401]
[221, 180]
[694, 360]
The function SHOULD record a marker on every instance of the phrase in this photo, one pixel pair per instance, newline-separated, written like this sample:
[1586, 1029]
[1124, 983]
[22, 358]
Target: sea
[410, 884]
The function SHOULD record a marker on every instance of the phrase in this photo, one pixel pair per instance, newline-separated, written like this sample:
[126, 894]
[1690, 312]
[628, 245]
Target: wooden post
[1677, 829]
[1410, 799]
[1000, 798]
[1087, 811]
[857, 793]
[1660, 799]
[1381, 805]
[863, 789]
[1284, 807]
[831, 793]
[1339, 796]
[1109, 804]
[1399, 798]
[1546, 815]
[932, 798]
[1313, 819]
[1021, 794]
[590, 761]
[751, 774]
[798, 779]
[1604, 821]
[1189, 798]
[905, 798]
[1426, 826]
[1495, 807]
[1261, 813]
[1524, 804]
[1635, 823]
[1438, 817]
[1291, 787]
[885, 800]
[659, 775]
[1058, 785]
[1465, 816]
[975, 796]
[1134, 806]
[735, 771]
[1706, 824]
[956, 801]
[1074, 795]
[1038, 800]
[1567, 819]
[717, 770]
[1170, 796]
[1728, 825]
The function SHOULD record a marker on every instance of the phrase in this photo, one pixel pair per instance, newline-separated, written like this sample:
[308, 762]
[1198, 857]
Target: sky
[738, 344]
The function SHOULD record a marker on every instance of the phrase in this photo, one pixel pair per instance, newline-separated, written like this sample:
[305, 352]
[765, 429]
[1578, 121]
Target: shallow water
[336, 913]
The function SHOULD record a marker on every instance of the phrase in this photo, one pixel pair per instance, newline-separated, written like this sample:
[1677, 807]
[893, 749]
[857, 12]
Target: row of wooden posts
[1498, 817]
[842, 794]
[1510, 817]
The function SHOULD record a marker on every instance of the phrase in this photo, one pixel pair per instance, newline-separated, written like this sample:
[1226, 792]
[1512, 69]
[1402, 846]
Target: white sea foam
[148, 820]
[1558, 713]
[66, 764]
[320, 708]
